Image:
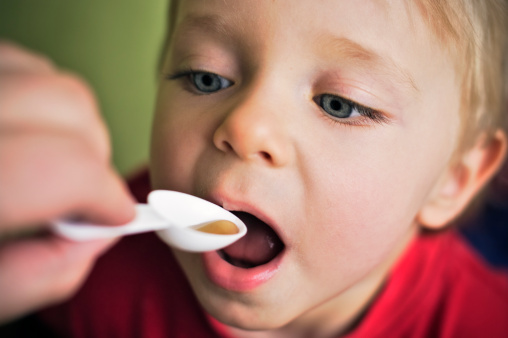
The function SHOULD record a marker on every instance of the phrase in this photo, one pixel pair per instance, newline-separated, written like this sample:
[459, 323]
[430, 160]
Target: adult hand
[54, 162]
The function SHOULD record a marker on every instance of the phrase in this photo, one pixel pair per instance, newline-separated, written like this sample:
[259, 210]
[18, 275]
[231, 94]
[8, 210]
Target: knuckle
[14, 58]
[65, 169]
[76, 100]
[60, 102]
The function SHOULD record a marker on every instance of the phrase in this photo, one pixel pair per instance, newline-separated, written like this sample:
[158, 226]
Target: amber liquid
[221, 227]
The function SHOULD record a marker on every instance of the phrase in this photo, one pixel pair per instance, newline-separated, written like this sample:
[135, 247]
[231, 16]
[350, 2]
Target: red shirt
[440, 288]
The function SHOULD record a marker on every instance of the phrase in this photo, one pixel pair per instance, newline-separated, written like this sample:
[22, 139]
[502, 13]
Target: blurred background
[113, 45]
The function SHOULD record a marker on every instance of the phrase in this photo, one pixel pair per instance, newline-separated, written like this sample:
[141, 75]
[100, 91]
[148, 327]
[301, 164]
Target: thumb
[40, 271]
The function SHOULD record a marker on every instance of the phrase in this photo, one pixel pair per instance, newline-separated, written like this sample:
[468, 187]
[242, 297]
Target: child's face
[256, 115]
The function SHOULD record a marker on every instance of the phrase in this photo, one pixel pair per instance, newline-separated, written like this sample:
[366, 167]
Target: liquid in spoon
[221, 227]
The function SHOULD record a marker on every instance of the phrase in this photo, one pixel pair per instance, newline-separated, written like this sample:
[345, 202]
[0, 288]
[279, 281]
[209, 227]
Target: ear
[463, 180]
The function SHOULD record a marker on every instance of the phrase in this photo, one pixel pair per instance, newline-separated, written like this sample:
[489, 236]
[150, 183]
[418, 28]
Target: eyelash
[368, 115]
[187, 73]
[182, 73]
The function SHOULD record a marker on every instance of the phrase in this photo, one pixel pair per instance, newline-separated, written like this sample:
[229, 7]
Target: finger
[38, 272]
[49, 176]
[14, 58]
[57, 103]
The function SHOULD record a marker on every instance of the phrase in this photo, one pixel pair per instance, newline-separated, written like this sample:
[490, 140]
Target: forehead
[397, 24]
[360, 18]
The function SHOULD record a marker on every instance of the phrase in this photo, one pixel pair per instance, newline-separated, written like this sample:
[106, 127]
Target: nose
[254, 130]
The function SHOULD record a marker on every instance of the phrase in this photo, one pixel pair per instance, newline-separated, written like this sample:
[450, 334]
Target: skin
[343, 194]
[54, 151]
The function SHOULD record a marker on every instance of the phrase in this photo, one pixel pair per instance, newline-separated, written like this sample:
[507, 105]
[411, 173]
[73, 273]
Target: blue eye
[337, 107]
[349, 112]
[209, 82]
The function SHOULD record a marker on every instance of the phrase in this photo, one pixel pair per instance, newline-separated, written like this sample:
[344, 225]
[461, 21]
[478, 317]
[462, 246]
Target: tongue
[260, 245]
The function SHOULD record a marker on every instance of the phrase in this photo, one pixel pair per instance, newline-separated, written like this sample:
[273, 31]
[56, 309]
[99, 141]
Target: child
[345, 134]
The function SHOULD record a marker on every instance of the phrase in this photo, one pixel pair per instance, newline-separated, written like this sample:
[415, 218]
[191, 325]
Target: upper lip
[230, 203]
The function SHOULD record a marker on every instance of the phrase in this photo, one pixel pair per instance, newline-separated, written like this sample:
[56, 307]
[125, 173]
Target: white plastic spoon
[174, 215]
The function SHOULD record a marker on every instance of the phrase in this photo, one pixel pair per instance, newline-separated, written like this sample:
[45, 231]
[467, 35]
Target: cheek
[174, 147]
[369, 215]
[367, 197]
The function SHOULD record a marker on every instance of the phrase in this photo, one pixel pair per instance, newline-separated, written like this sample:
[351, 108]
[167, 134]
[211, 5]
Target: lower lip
[233, 278]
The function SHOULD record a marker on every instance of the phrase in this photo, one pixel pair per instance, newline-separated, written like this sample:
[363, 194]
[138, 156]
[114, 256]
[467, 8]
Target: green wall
[113, 45]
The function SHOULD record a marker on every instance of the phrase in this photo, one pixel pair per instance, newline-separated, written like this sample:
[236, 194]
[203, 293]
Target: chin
[247, 319]
[238, 284]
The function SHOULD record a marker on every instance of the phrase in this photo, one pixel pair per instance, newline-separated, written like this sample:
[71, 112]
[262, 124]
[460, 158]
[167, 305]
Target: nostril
[227, 147]
[266, 156]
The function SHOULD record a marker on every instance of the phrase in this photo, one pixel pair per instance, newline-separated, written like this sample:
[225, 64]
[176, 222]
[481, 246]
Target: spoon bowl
[174, 215]
[185, 212]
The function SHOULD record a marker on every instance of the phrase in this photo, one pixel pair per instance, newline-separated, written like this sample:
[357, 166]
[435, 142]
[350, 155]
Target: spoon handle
[146, 220]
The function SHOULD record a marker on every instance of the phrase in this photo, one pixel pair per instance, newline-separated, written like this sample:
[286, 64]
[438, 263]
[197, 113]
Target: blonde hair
[476, 33]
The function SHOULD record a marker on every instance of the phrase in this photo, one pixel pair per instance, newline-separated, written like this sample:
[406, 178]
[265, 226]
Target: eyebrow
[346, 49]
[208, 23]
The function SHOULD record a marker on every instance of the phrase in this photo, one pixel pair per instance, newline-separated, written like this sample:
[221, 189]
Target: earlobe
[463, 181]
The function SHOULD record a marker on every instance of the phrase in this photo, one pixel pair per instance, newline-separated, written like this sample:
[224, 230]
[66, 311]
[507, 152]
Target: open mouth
[259, 246]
